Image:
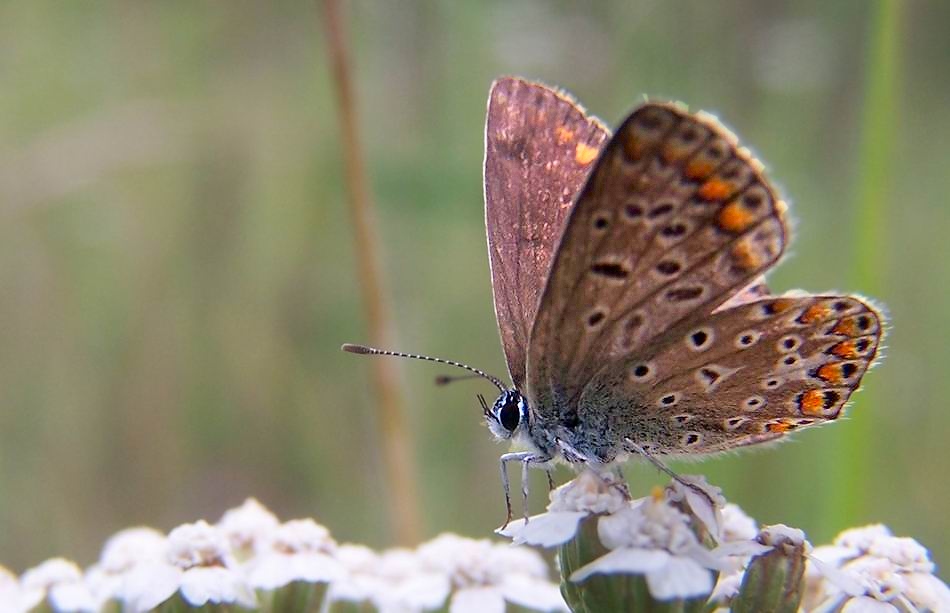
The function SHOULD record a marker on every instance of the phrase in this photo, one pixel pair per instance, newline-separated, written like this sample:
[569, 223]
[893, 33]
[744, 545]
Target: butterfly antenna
[364, 350]
[446, 379]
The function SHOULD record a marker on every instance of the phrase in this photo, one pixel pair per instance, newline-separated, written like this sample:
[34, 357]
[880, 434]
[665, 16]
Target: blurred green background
[177, 265]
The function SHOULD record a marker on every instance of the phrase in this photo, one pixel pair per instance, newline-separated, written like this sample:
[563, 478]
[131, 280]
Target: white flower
[704, 500]
[148, 585]
[197, 564]
[198, 544]
[208, 575]
[359, 581]
[727, 587]
[51, 572]
[408, 584]
[392, 581]
[248, 528]
[591, 493]
[123, 552]
[299, 550]
[43, 580]
[736, 525]
[484, 576]
[587, 494]
[869, 569]
[75, 596]
[861, 539]
[651, 538]
[130, 547]
[13, 599]
[779, 534]
[201, 585]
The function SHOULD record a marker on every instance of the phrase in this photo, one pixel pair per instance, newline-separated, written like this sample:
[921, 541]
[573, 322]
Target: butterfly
[627, 275]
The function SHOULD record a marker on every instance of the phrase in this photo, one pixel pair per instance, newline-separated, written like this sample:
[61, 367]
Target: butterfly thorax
[512, 417]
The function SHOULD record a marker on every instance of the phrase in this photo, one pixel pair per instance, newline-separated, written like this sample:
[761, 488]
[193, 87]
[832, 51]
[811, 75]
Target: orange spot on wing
[812, 402]
[697, 170]
[734, 217]
[845, 327]
[745, 256]
[779, 427]
[845, 349]
[831, 373]
[671, 154]
[585, 154]
[815, 312]
[564, 135]
[781, 305]
[715, 189]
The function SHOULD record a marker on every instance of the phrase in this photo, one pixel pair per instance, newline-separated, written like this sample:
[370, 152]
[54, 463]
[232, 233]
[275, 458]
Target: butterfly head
[507, 415]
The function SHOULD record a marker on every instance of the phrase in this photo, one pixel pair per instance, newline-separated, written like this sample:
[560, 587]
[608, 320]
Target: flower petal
[148, 585]
[840, 579]
[624, 560]
[203, 585]
[534, 594]
[866, 604]
[477, 600]
[547, 529]
[679, 578]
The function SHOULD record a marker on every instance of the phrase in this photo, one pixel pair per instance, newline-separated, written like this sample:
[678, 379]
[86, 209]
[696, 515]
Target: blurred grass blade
[850, 480]
[399, 464]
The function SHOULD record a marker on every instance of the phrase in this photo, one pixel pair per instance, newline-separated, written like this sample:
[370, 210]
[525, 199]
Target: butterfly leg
[666, 469]
[621, 483]
[550, 475]
[526, 458]
[525, 482]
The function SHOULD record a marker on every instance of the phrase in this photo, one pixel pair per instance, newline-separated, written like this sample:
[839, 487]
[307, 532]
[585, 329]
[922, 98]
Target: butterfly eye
[506, 413]
[510, 414]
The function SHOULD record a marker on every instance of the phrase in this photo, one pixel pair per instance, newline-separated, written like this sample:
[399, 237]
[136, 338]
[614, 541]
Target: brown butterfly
[626, 273]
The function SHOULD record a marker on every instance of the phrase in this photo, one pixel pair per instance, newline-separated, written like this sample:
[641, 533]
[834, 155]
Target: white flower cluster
[249, 556]
[870, 569]
[649, 536]
[866, 569]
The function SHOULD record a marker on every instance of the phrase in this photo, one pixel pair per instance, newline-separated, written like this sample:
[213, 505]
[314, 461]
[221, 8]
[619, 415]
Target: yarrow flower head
[59, 583]
[299, 550]
[465, 574]
[651, 546]
[484, 576]
[248, 528]
[588, 494]
[193, 565]
[871, 569]
[693, 495]
[661, 552]
[652, 538]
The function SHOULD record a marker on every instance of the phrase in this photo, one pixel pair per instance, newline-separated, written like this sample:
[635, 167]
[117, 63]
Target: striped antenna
[364, 350]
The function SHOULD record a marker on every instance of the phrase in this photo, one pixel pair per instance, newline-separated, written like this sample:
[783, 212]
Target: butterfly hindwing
[539, 149]
[674, 220]
[744, 375]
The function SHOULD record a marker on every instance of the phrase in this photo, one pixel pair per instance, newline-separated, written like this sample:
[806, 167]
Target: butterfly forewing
[539, 149]
[675, 220]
